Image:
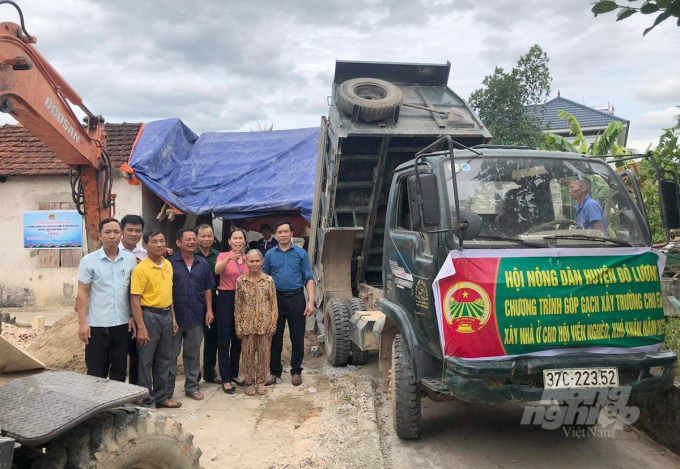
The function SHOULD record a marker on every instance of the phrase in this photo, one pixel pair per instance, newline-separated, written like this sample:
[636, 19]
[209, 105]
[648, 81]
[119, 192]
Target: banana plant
[604, 144]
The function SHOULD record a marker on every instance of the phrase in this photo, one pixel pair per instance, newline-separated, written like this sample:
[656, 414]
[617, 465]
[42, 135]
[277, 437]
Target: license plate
[581, 378]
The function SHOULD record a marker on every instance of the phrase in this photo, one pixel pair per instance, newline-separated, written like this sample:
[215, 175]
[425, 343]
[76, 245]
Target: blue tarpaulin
[231, 174]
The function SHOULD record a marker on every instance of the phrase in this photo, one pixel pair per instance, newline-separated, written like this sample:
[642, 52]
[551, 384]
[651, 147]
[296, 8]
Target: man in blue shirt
[288, 265]
[192, 284]
[589, 213]
[103, 304]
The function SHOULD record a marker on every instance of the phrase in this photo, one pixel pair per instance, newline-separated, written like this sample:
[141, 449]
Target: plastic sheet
[231, 174]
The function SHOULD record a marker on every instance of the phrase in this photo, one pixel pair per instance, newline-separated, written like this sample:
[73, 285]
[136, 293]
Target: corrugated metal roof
[586, 116]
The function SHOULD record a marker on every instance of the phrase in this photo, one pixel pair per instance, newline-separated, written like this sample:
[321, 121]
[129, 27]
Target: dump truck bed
[357, 159]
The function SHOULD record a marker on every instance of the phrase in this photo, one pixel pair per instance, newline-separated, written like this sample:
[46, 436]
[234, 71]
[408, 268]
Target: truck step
[436, 385]
[356, 185]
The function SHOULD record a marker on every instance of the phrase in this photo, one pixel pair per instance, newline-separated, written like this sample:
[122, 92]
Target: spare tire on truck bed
[121, 438]
[377, 99]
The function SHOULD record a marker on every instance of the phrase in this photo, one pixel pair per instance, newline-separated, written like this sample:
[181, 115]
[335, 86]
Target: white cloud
[222, 65]
[646, 128]
[662, 92]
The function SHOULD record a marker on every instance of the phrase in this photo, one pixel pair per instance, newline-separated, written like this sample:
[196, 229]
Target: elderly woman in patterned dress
[255, 316]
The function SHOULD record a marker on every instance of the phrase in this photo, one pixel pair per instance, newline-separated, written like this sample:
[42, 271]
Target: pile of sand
[60, 348]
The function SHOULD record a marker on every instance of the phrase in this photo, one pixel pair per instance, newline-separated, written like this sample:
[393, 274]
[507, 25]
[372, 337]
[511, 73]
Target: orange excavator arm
[37, 96]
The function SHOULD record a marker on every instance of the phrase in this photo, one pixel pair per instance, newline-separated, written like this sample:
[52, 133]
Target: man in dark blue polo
[192, 285]
[288, 265]
[268, 241]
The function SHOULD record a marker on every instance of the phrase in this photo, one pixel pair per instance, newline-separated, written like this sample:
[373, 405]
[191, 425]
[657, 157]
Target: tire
[336, 333]
[377, 99]
[122, 438]
[405, 393]
[356, 355]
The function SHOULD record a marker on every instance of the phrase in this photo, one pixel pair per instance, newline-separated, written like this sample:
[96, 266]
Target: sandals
[168, 404]
[261, 390]
[250, 390]
[197, 396]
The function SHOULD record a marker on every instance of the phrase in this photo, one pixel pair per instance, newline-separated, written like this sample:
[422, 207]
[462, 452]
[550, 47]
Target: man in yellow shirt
[152, 308]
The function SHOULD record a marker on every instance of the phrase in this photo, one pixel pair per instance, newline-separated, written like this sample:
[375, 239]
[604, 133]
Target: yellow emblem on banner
[467, 307]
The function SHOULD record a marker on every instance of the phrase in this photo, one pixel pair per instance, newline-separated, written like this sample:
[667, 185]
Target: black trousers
[106, 352]
[210, 347]
[291, 309]
[133, 375]
[228, 345]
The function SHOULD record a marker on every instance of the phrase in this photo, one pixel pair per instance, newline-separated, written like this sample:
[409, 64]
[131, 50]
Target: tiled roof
[22, 154]
[586, 116]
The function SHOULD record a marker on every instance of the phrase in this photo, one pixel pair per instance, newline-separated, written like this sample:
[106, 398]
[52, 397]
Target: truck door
[410, 267]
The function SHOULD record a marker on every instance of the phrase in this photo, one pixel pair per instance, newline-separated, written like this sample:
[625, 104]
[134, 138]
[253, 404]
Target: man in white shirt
[104, 304]
[133, 227]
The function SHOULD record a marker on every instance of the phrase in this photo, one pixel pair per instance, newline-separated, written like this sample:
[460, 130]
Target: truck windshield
[551, 201]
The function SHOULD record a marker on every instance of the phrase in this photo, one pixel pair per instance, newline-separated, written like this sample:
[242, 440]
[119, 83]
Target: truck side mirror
[430, 196]
[669, 193]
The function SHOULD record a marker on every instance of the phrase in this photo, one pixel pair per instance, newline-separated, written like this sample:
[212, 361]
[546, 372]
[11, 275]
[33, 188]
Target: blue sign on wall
[53, 229]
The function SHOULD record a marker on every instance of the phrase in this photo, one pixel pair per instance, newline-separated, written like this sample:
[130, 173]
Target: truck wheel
[405, 392]
[377, 99]
[356, 355]
[126, 437]
[336, 333]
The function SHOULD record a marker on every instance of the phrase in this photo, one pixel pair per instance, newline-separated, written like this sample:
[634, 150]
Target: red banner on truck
[504, 303]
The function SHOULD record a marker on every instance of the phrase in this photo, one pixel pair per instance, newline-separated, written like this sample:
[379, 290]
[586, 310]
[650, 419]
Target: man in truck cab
[589, 213]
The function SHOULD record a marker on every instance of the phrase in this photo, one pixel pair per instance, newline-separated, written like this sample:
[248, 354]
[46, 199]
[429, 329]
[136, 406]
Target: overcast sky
[222, 65]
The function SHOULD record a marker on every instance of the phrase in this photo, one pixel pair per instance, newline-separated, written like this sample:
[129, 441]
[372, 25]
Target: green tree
[663, 8]
[500, 102]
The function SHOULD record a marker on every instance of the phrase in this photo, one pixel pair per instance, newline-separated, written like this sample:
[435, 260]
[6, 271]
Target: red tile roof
[22, 154]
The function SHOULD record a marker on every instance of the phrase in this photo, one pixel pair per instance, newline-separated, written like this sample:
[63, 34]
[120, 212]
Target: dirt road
[339, 419]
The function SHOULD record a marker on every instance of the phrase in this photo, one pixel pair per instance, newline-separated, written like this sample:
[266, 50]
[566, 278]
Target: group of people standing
[151, 304]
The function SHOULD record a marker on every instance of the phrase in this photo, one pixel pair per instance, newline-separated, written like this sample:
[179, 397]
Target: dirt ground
[328, 422]
[339, 418]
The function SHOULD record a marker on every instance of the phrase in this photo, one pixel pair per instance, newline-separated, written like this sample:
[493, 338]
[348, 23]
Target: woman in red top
[229, 266]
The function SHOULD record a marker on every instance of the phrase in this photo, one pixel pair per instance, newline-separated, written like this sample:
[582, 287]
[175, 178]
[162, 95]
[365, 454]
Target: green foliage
[604, 144]
[500, 102]
[665, 9]
[667, 155]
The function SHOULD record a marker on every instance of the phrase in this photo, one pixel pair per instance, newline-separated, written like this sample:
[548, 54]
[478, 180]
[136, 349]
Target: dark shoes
[239, 383]
[232, 390]
[296, 380]
[270, 381]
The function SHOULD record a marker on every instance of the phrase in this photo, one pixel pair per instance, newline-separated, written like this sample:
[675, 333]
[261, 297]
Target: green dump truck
[480, 273]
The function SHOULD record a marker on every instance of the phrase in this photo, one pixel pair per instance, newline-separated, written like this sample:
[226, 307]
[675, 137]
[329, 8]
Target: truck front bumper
[521, 378]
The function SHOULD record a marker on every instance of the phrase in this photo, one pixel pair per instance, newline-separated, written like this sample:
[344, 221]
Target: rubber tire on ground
[125, 437]
[377, 99]
[356, 355]
[336, 333]
[406, 413]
